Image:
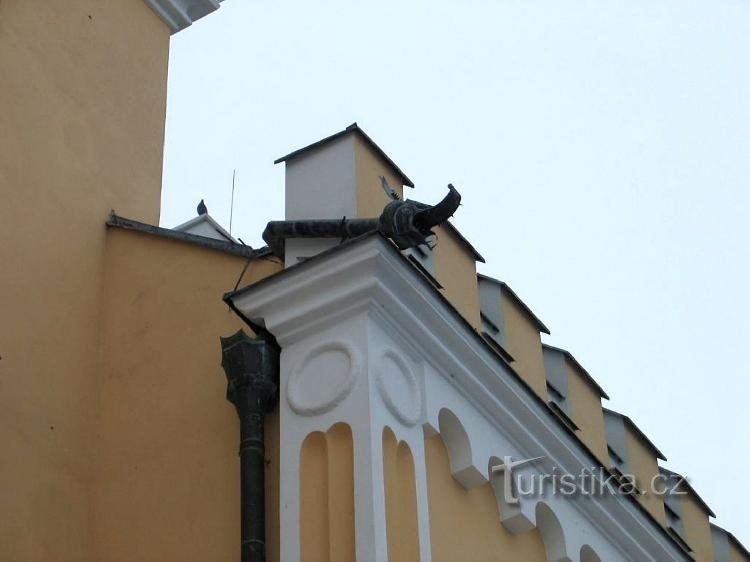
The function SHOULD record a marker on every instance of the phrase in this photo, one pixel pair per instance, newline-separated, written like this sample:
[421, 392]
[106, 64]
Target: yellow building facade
[407, 386]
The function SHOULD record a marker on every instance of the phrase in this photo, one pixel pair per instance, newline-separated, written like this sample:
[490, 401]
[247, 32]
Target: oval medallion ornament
[323, 378]
[399, 388]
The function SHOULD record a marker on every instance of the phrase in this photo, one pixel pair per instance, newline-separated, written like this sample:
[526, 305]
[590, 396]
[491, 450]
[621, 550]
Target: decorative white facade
[366, 340]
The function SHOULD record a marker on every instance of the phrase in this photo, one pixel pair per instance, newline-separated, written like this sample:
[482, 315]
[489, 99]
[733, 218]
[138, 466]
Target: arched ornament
[399, 388]
[323, 378]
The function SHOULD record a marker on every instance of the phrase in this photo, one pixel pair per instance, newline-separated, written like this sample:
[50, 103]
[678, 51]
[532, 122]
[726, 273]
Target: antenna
[231, 205]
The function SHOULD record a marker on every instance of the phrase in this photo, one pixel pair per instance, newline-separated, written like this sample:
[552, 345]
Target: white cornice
[368, 280]
[179, 14]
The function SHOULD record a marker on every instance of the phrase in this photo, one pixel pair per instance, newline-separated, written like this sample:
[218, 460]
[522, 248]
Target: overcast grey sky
[602, 149]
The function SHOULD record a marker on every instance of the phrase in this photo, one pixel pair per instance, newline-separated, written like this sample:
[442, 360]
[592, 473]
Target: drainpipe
[252, 369]
[408, 223]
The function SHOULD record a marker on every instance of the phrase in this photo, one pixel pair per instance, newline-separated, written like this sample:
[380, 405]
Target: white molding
[366, 292]
[405, 402]
[329, 390]
[179, 14]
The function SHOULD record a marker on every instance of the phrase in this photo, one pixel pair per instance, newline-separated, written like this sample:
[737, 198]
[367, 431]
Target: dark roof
[351, 129]
[539, 324]
[210, 243]
[470, 329]
[586, 376]
[690, 489]
[732, 538]
[638, 432]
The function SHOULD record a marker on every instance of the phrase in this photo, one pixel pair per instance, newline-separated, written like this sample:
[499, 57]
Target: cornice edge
[179, 14]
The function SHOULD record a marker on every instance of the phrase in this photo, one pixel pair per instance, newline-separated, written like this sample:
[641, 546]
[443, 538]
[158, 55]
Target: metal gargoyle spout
[409, 223]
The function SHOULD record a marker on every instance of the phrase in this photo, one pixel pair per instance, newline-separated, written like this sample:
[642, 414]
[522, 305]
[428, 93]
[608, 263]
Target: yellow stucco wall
[166, 471]
[587, 413]
[524, 343]
[400, 500]
[456, 271]
[369, 166]
[327, 496]
[645, 468]
[697, 529]
[465, 524]
[83, 94]
[313, 520]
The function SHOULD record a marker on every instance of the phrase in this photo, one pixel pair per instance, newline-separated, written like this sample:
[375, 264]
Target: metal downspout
[252, 369]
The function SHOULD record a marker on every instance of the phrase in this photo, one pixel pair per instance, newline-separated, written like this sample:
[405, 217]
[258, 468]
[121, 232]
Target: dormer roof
[584, 373]
[642, 436]
[205, 225]
[512, 294]
[670, 474]
[732, 538]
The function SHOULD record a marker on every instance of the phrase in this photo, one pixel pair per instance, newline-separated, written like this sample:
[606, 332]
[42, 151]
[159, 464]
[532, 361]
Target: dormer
[687, 515]
[510, 324]
[633, 454]
[576, 395]
[456, 271]
[727, 547]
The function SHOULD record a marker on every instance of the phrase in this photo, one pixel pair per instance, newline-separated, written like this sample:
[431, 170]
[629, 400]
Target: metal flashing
[499, 349]
[228, 247]
[564, 417]
[677, 538]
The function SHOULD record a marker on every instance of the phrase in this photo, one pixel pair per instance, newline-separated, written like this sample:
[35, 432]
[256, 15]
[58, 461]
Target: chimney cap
[351, 129]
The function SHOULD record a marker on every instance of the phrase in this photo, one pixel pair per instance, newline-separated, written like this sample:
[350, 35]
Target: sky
[602, 149]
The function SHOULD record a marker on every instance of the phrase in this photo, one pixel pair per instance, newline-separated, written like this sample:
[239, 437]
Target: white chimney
[336, 177]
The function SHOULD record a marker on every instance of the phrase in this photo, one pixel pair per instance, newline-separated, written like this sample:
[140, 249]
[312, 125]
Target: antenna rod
[231, 205]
